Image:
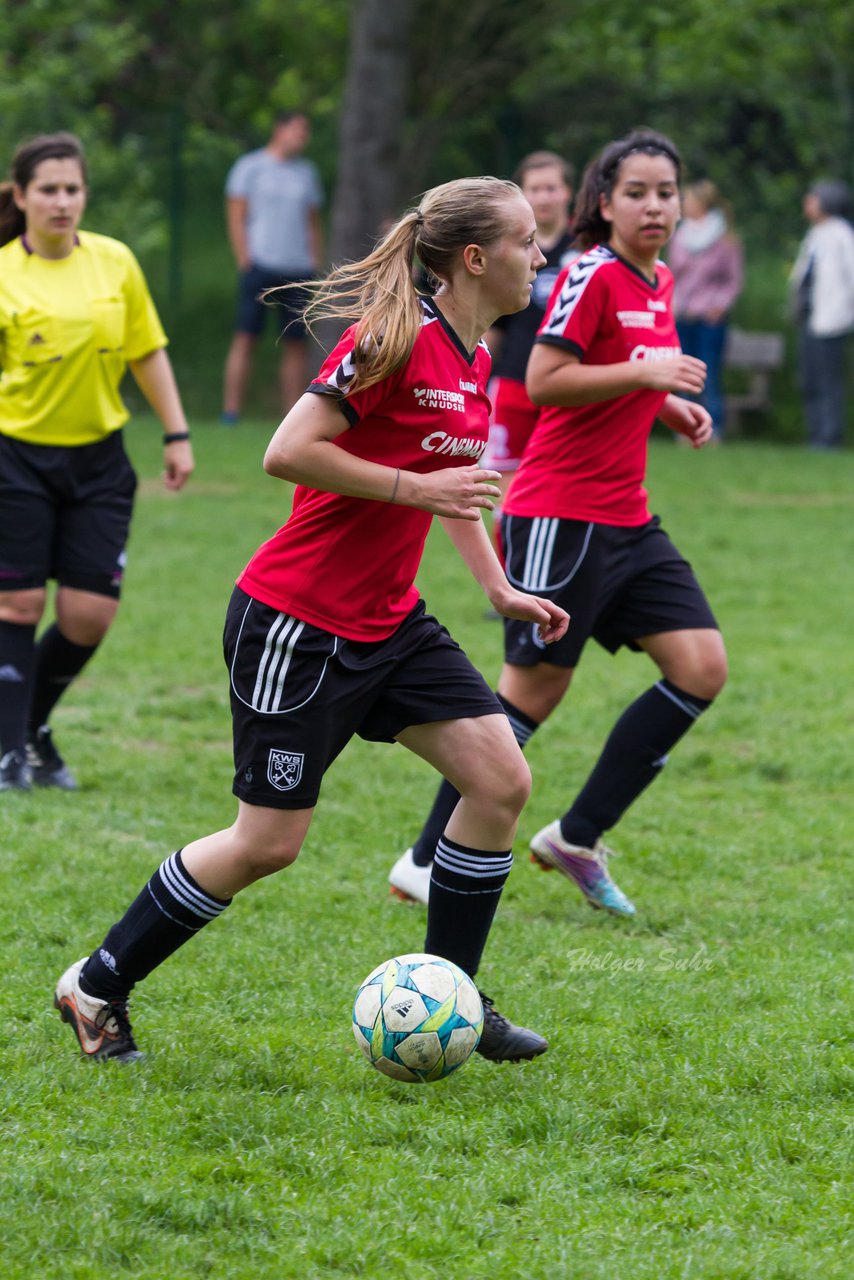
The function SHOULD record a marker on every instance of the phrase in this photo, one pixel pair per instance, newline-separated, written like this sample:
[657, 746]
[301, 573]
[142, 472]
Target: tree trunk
[367, 194]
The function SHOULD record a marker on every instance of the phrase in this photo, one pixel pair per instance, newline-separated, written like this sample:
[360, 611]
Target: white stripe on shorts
[274, 663]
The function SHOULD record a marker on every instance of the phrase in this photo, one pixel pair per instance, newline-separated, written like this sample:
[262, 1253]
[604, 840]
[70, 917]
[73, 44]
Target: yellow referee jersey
[68, 327]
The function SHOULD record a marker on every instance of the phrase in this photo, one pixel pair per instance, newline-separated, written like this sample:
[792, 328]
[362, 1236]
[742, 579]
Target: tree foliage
[758, 93]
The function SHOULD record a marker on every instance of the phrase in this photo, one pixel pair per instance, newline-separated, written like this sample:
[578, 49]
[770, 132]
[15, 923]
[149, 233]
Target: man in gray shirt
[273, 201]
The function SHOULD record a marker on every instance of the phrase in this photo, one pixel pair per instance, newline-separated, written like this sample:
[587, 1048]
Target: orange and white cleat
[102, 1027]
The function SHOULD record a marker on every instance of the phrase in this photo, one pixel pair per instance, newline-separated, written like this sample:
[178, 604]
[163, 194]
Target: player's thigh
[479, 756]
[693, 660]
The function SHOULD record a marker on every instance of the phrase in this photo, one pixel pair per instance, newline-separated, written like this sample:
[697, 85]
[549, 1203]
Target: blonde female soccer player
[326, 636]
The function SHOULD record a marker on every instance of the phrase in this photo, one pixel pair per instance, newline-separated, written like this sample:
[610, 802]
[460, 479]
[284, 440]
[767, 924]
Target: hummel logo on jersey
[580, 274]
[435, 398]
[653, 304]
[36, 341]
[284, 768]
[468, 386]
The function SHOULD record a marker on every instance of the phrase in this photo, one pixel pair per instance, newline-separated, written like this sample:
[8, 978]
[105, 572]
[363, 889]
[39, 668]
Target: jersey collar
[29, 250]
[432, 310]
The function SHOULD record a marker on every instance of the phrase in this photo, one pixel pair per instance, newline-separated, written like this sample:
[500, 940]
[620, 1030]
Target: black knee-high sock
[447, 797]
[465, 886]
[17, 658]
[58, 661]
[632, 758]
[170, 909]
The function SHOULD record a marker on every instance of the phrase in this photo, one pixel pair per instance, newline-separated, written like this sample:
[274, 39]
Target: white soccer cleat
[408, 881]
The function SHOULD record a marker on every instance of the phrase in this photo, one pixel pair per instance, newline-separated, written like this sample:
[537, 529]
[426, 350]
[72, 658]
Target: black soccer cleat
[501, 1041]
[15, 773]
[46, 764]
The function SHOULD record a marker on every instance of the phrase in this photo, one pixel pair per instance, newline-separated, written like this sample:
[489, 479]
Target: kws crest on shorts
[299, 694]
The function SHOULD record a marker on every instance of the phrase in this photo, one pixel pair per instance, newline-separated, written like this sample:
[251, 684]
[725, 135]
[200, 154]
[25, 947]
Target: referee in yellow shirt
[75, 311]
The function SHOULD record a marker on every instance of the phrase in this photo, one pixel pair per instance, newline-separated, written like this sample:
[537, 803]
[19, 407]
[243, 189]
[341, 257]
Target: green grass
[693, 1115]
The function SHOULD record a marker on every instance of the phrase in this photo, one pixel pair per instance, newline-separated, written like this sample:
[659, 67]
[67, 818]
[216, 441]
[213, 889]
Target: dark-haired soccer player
[577, 527]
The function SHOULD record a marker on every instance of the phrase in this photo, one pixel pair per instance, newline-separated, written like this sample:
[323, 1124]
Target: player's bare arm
[558, 377]
[476, 550]
[303, 450]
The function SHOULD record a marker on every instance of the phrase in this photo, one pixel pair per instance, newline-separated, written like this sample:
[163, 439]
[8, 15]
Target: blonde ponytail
[378, 292]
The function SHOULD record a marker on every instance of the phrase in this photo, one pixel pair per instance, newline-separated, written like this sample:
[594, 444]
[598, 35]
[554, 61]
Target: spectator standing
[708, 275]
[822, 288]
[273, 202]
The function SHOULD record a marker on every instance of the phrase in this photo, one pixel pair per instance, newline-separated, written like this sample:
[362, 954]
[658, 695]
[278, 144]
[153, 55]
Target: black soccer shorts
[299, 694]
[65, 514]
[618, 585]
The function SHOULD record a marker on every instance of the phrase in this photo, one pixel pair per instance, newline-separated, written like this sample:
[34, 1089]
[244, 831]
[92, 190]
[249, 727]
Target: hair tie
[419, 218]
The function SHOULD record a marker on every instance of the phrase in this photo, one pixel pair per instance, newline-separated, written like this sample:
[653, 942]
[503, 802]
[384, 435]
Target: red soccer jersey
[589, 462]
[348, 565]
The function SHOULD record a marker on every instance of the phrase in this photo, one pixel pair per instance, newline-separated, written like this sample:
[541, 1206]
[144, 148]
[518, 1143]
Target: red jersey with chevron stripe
[348, 565]
[588, 462]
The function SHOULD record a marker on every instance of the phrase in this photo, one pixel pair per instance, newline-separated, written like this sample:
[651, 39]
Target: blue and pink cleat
[588, 868]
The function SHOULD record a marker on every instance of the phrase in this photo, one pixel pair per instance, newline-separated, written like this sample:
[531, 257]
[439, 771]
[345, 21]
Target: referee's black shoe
[501, 1041]
[47, 765]
[15, 773]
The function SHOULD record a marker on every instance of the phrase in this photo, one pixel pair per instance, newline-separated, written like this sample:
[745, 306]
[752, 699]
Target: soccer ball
[417, 1018]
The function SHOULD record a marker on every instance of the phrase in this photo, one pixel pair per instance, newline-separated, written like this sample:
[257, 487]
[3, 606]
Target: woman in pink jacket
[706, 260]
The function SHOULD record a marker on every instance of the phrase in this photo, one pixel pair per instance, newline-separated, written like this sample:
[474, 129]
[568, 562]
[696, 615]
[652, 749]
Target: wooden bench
[758, 355]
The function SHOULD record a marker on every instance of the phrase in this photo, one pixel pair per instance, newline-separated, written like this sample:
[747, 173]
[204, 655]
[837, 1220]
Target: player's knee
[265, 859]
[514, 785]
[23, 608]
[711, 674]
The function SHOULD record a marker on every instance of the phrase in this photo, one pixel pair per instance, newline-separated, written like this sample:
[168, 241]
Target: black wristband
[172, 437]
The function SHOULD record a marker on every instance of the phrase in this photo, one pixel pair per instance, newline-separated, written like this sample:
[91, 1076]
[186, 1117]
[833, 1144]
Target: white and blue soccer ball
[417, 1018]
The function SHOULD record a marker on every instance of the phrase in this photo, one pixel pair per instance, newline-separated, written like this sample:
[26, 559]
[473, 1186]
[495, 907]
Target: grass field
[693, 1115]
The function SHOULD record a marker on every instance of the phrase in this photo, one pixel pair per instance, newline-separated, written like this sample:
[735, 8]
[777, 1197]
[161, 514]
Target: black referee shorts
[299, 694]
[65, 514]
[618, 584]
